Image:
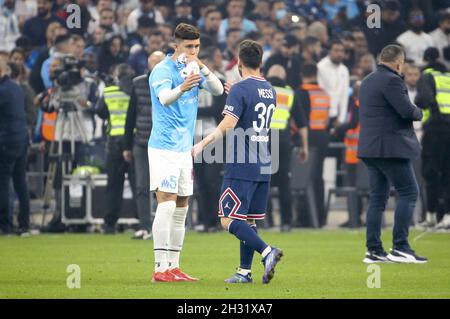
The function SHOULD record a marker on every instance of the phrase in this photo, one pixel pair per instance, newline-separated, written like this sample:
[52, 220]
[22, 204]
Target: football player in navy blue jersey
[245, 189]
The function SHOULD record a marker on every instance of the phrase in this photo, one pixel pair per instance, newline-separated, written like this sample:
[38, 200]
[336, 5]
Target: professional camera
[68, 73]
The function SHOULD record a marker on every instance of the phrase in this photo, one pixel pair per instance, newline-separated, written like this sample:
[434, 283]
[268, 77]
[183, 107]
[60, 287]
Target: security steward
[433, 97]
[113, 107]
[350, 133]
[315, 105]
[276, 75]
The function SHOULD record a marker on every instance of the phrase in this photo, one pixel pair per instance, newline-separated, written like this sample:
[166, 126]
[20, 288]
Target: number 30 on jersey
[264, 116]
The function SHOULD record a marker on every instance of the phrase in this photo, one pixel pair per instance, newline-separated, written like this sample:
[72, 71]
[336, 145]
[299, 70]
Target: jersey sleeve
[234, 105]
[202, 81]
[161, 79]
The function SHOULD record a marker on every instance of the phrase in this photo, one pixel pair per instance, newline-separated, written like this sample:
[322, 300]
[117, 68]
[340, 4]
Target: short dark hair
[431, 55]
[17, 50]
[250, 53]
[209, 11]
[391, 53]
[391, 5]
[146, 22]
[62, 38]
[309, 70]
[77, 37]
[254, 35]
[156, 33]
[185, 31]
[310, 41]
[231, 30]
[336, 41]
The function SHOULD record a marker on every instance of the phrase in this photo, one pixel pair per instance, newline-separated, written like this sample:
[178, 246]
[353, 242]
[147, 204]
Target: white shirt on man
[415, 45]
[132, 22]
[441, 41]
[335, 80]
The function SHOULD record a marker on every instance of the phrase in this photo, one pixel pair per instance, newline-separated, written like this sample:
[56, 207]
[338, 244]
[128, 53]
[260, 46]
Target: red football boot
[178, 273]
[163, 276]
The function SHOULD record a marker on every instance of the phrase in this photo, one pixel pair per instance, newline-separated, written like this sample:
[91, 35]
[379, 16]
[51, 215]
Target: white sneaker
[444, 224]
[142, 234]
[406, 257]
[429, 222]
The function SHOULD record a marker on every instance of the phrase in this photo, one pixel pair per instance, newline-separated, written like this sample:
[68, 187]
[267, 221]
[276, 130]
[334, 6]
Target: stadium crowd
[316, 52]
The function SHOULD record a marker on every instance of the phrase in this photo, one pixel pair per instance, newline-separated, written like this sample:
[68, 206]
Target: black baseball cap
[290, 40]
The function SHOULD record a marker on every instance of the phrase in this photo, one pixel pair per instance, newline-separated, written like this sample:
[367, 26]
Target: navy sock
[247, 252]
[245, 233]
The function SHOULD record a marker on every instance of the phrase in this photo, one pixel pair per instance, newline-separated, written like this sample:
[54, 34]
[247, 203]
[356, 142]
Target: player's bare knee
[225, 222]
[182, 201]
[162, 197]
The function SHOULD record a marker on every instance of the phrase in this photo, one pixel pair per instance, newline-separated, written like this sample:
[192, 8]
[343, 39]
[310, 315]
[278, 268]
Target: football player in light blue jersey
[174, 86]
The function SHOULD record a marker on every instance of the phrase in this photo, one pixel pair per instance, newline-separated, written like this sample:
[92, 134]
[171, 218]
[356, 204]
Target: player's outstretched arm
[228, 122]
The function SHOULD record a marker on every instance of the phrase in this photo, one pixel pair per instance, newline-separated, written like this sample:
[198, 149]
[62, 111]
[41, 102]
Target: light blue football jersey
[173, 125]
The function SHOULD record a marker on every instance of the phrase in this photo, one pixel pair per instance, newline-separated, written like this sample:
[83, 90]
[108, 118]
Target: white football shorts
[171, 172]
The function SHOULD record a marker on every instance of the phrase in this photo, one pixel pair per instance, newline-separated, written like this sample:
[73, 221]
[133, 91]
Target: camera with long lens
[66, 76]
[68, 73]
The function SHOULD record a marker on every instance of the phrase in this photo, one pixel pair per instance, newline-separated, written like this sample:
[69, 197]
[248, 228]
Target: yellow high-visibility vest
[442, 81]
[285, 99]
[117, 104]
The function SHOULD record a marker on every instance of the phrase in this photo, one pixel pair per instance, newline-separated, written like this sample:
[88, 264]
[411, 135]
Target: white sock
[161, 234]
[177, 231]
[266, 251]
[243, 272]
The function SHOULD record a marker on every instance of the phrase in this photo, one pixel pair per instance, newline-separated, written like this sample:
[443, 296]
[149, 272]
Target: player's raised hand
[197, 149]
[190, 81]
[191, 57]
[227, 87]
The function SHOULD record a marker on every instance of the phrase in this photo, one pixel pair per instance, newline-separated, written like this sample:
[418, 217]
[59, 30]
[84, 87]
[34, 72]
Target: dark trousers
[208, 179]
[350, 181]
[436, 169]
[13, 165]
[383, 172]
[281, 179]
[319, 140]
[141, 171]
[116, 167]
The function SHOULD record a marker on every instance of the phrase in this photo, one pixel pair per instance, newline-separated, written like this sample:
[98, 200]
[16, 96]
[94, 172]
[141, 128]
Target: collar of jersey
[259, 78]
[177, 65]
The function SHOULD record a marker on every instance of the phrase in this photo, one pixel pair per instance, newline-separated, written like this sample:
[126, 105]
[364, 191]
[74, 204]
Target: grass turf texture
[317, 264]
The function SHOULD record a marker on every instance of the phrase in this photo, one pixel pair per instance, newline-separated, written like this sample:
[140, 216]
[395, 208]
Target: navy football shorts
[243, 200]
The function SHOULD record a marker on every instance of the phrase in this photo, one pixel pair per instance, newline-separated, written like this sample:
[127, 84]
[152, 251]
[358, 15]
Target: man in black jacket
[387, 145]
[13, 151]
[137, 131]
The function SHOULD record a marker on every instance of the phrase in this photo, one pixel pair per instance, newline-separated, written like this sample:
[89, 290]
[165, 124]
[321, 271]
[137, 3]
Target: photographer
[71, 97]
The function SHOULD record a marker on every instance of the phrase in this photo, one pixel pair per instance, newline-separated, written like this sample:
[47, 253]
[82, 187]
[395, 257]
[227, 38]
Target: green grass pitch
[317, 264]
